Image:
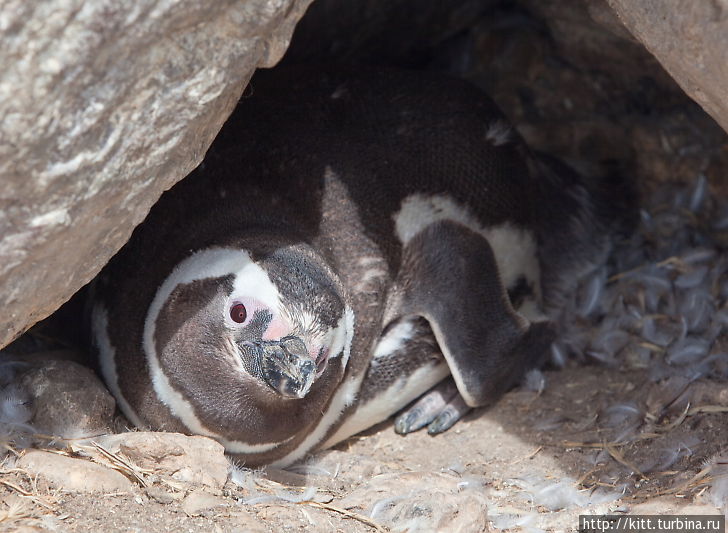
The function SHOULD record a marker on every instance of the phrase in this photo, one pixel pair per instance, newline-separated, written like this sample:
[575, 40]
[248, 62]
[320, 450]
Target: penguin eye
[238, 313]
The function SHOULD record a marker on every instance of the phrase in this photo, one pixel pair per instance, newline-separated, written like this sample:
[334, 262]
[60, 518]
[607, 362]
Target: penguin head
[235, 333]
[285, 316]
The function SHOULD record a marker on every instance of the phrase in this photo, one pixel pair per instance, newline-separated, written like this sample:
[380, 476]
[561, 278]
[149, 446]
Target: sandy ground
[535, 460]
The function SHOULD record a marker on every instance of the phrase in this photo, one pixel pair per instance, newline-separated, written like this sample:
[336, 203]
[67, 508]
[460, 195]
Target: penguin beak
[286, 366]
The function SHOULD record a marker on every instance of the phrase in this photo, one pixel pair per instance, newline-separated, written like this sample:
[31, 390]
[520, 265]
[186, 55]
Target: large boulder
[690, 39]
[103, 106]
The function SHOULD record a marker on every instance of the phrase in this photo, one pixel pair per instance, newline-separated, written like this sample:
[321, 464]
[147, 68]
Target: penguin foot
[437, 409]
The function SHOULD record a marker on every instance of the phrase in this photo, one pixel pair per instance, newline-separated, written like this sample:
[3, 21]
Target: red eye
[238, 313]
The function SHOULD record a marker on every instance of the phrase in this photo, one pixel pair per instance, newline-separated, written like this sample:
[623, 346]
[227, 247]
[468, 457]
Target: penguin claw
[438, 409]
[453, 411]
[409, 421]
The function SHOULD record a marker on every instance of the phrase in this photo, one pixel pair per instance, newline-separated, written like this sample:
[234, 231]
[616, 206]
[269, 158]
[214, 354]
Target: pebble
[190, 459]
[73, 474]
[162, 496]
[199, 501]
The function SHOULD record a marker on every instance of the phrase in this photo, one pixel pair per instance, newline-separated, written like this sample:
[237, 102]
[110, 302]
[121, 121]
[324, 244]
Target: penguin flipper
[450, 277]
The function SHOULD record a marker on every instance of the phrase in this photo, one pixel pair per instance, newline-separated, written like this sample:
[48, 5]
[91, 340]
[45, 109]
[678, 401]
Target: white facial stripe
[395, 339]
[339, 338]
[210, 263]
[514, 248]
[389, 401]
[252, 281]
[345, 395]
[107, 361]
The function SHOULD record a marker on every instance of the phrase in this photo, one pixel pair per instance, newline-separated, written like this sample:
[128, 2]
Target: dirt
[494, 461]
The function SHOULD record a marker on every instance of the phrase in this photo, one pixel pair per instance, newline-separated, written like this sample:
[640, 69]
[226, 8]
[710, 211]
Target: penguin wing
[450, 277]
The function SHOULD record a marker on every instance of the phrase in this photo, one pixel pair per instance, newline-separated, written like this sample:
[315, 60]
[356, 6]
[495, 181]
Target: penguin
[356, 241]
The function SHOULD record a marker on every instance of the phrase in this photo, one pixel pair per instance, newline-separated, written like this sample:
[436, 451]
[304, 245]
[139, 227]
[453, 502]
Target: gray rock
[199, 501]
[577, 85]
[690, 39]
[104, 105]
[190, 459]
[162, 496]
[68, 473]
[67, 399]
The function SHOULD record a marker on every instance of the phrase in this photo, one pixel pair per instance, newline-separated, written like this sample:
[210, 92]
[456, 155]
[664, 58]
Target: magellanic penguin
[350, 240]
